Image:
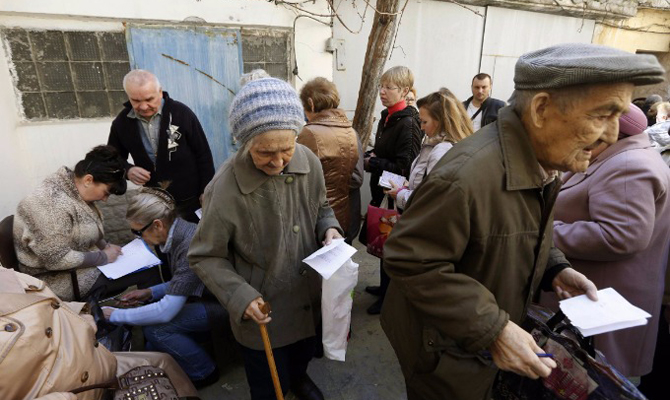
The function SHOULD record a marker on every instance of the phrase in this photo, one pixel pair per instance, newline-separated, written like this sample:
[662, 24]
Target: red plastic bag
[380, 222]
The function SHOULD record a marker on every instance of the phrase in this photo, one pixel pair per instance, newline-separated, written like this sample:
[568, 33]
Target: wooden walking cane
[265, 309]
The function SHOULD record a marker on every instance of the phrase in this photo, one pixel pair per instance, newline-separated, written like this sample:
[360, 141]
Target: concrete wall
[439, 41]
[648, 31]
[446, 45]
[511, 33]
[30, 151]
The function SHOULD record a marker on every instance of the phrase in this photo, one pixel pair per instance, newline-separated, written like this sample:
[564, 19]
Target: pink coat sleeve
[622, 206]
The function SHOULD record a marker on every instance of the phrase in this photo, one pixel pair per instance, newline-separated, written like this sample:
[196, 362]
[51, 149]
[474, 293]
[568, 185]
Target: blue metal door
[198, 66]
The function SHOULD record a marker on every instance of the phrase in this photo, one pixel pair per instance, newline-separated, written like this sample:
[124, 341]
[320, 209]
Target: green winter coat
[468, 254]
[255, 231]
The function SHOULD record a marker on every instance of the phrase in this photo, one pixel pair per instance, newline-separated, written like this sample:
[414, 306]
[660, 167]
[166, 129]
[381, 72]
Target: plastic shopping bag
[336, 301]
[379, 223]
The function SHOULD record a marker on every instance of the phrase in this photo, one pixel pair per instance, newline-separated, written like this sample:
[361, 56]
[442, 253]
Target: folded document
[388, 177]
[610, 313]
[136, 256]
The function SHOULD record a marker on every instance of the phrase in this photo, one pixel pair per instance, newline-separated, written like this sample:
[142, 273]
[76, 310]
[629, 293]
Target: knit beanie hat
[263, 105]
[632, 122]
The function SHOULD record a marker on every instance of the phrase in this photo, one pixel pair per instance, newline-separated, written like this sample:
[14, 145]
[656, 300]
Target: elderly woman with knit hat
[264, 212]
[613, 224]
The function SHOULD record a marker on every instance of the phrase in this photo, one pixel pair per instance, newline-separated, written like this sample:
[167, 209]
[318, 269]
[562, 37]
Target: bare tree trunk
[379, 44]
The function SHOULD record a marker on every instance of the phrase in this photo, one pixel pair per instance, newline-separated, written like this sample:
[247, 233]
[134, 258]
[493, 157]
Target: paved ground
[370, 372]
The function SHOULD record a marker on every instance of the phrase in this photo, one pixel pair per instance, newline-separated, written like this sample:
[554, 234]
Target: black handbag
[113, 337]
[583, 373]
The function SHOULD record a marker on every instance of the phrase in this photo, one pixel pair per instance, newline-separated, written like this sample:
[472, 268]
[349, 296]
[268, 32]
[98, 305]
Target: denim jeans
[177, 339]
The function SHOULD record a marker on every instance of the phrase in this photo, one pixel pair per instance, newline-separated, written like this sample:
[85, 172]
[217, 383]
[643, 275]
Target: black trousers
[655, 384]
[111, 287]
[291, 361]
[384, 280]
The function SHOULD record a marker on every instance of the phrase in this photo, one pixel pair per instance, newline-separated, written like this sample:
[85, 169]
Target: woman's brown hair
[444, 107]
[323, 94]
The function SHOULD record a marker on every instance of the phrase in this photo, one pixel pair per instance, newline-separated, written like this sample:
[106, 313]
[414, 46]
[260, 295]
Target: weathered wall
[511, 33]
[446, 45]
[590, 9]
[440, 42]
[648, 31]
[31, 150]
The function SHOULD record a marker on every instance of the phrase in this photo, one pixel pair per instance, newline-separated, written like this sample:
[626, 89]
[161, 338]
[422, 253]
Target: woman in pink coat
[613, 224]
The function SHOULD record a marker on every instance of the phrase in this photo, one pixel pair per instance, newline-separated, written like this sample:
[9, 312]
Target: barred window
[68, 74]
[268, 49]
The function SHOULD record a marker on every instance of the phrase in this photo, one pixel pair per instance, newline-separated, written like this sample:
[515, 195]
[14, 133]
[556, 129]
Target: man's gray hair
[139, 78]
[565, 97]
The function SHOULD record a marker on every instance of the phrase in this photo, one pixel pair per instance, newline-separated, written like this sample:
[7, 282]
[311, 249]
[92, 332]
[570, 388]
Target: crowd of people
[562, 192]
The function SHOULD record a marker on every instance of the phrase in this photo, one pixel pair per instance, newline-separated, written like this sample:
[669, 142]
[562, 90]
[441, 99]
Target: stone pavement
[370, 372]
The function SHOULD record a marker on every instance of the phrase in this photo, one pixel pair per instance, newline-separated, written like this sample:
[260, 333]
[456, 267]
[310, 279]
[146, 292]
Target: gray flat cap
[576, 63]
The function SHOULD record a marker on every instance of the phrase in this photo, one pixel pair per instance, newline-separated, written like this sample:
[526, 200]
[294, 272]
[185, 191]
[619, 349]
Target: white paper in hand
[198, 213]
[610, 313]
[136, 255]
[388, 177]
[329, 259]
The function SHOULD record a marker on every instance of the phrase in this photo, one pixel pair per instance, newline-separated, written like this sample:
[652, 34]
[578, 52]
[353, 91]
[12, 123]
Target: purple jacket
[613, 224]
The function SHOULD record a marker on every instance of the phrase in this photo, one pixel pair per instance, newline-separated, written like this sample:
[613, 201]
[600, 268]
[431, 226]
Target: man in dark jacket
[482, 108]
[166, 141]
[474, 244]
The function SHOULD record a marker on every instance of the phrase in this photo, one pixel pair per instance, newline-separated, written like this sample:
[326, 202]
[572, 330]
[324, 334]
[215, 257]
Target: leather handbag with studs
[140, 383]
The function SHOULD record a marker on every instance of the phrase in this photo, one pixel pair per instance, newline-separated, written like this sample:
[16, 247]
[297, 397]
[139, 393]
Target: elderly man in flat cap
[475, 244]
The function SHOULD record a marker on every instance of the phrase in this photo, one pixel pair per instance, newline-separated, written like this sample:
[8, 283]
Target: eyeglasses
[141, 231]
[384, 88]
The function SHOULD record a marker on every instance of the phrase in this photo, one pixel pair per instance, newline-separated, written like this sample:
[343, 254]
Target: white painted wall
[30, 151]
[511, 33]
[446, 45]
[439, 41]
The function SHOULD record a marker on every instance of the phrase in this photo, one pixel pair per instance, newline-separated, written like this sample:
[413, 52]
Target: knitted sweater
[184, 281]
[56, 231]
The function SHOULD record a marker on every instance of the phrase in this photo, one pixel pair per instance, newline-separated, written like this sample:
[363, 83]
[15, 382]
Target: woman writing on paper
[58, 229]
[445, 122]
[178, 308]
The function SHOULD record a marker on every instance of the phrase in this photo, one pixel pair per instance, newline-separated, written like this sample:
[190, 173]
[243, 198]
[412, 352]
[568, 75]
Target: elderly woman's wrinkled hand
[331, 234]
[112, 252]
[254, 312]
